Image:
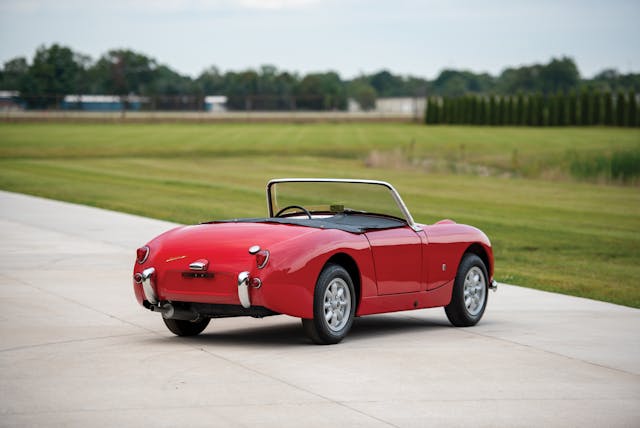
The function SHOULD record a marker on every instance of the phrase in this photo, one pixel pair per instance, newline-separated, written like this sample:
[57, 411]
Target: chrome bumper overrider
[493, 286]
[147, 285]
[243, 289]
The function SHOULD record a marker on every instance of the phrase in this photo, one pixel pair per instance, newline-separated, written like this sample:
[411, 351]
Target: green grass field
[551, 228]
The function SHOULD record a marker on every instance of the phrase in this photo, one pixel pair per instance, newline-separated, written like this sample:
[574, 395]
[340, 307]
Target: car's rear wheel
[469, 298]
[333, 306]
[186, 328]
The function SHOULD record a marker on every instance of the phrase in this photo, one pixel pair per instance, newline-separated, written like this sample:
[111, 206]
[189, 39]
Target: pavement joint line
[65, 342]
[51, 293]
[488, 400]
[204, 406]
[298, 403]
[557, 354]
[277, 379]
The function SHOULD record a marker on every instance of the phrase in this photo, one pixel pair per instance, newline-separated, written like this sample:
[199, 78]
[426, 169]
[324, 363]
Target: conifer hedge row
[584, 109]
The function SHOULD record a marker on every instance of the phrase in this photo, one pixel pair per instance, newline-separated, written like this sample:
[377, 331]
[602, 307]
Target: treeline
[56, 71]
[560, 109]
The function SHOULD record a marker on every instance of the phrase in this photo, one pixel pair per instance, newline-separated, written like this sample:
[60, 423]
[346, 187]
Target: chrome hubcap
[475, 291]
[337, 304]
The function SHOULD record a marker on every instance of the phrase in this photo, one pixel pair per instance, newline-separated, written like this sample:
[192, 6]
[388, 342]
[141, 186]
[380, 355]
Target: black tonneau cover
[353, 223]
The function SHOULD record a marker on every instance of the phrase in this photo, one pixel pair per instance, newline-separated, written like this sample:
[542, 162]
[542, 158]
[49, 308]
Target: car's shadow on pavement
[292, 334]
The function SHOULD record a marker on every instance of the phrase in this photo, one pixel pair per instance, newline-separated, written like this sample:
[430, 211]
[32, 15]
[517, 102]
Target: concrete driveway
[77, 350]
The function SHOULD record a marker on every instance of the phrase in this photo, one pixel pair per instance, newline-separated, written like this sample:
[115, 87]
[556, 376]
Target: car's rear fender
[289, 282]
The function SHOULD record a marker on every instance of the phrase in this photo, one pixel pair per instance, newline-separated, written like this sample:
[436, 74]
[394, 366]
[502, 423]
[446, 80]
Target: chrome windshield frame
[396, 196]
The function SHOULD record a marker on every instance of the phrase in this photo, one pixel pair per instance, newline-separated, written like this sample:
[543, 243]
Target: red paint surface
[398, 269]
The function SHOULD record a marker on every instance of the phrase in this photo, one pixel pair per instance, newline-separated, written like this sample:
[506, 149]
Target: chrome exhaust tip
[170, 312]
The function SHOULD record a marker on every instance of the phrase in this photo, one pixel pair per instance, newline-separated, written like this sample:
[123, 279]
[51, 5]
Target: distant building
[407, 105]
[9, 100]
[353, 106]
[215, 103]
[102, 102]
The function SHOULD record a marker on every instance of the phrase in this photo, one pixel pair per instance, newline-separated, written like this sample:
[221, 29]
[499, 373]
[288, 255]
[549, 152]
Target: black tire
[341, 306]
[186, 328]
[463, 313]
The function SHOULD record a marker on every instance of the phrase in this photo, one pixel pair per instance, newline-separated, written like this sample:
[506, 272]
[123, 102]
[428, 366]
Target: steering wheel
[306, 211]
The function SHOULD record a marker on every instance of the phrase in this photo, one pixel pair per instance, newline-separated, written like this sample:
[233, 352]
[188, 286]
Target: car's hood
[226, 243]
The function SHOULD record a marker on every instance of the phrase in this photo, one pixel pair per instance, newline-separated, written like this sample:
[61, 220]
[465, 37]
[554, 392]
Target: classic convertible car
[330, 250]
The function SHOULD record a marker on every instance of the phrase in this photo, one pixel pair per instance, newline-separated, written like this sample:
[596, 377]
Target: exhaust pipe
[169, 311]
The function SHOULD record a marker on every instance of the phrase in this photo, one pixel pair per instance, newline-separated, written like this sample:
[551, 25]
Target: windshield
[335, 196]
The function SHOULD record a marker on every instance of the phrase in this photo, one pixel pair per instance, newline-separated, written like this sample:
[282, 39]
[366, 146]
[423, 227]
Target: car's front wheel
[186, 328]
[333, 306]
[469, 297]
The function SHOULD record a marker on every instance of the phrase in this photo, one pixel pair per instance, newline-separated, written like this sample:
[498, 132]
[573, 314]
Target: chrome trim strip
[147, 285]
[243, 289]
[396, 196]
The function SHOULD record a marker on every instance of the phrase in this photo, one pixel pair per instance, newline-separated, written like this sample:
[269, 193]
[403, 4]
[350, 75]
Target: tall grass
[619, 166]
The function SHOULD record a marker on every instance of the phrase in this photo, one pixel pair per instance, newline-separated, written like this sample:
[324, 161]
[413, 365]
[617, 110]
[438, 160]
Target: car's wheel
[334, 306]
[469, 297]
[186, 328]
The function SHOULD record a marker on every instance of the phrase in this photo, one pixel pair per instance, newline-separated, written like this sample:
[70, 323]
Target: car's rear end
[220, 269]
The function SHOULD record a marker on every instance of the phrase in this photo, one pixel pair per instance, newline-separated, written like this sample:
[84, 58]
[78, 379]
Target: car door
[397, 257]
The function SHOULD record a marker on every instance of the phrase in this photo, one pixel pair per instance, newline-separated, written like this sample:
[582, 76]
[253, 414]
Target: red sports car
[329, 250]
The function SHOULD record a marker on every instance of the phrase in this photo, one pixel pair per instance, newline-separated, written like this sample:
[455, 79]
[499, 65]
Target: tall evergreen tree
[452, 111]
[429, 111]
[520, 113]
[470, 109]
[554, 108]
[563, 109]
[621, 110]
[500, 116]
[609, 116]
[599, 108]
[509, 110]
[493, 110]
[574, 112]
[543, 110]
[583, 108]
[633, 110]
[481, 111]
[464, 110]
[455, 110]
[444, 114]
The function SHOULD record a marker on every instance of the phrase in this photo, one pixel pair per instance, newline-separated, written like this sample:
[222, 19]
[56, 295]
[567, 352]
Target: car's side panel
[397, 257]
[445, 245]
[406, 301]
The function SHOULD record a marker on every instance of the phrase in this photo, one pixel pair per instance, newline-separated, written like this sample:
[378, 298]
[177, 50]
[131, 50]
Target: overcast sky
[419, 37]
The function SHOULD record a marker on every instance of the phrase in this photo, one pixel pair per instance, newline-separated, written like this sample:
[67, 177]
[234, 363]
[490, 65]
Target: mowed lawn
[548, 230]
